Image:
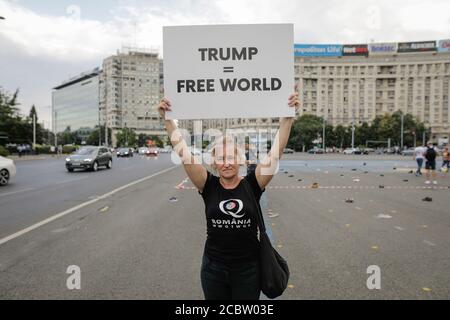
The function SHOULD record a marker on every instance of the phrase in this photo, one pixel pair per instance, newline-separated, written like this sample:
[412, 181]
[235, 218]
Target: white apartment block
[130, 91]
[358, 88]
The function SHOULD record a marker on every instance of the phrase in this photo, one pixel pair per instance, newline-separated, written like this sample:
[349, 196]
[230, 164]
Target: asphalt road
[136, 244]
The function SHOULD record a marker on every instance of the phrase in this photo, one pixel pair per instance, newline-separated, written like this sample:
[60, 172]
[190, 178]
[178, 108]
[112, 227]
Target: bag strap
[262, 226]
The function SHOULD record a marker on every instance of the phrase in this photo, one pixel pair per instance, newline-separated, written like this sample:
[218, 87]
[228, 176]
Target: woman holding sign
[230, 267]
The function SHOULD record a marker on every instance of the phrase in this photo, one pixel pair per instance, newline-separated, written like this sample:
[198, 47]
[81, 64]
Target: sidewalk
[35, 157]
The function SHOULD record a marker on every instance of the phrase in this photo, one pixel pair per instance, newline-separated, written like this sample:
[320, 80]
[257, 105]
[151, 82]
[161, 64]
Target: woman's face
[225, 161]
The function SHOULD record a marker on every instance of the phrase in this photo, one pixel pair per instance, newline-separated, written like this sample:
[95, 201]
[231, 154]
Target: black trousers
[230, 281]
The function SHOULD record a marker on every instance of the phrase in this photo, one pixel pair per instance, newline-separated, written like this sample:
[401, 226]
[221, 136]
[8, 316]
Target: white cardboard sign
[229, 71]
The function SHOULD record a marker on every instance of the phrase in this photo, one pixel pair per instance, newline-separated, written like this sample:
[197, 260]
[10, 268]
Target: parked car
[352, 151]
[89, 158]
[7, 170]
[368, 150]
[315, 151]
[124, 152]
[288, 150]
[408, 152]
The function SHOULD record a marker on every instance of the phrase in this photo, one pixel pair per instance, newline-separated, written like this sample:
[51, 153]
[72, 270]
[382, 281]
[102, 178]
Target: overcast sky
[43, 43]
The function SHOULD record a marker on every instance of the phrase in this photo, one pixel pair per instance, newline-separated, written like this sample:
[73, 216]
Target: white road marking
[399, 228]
[14, 192]
[429, 243]
[82, 205]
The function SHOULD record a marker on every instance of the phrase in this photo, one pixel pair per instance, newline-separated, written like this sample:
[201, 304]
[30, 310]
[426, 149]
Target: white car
[143, 151]
[7, 170]
[351, 151]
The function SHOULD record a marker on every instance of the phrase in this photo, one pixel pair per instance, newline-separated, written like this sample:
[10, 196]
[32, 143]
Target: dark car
[89, 158]
[124, 152]
[315, 151]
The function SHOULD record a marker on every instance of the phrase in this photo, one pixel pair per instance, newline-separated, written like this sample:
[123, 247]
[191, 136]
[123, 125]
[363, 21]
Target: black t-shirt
[430, 155]
[231, 220]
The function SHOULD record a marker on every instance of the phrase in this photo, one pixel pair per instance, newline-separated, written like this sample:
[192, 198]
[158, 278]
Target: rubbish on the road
[366, 172]
[356, 180]
[342, 175]
[353, 169]
[424, 226]
[299, 180]
[405, 180]
[426, 289]
[104, 209]
[173, 199]
[273, 215]
[429, 243]
[394, 168]
[291, 176]
[383, 216]
[315, 185]
[411, 171]
[399, 228]
[349, 200]
[375, 247]
[290, 286]
[364, 164]
[280, 246]
[381, 175]
[428, 199]
[381, 186]
[348, 225]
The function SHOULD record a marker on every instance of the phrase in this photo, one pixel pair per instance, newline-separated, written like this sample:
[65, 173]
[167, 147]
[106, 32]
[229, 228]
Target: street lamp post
[34, 132]
[323, 135]
[402, 131]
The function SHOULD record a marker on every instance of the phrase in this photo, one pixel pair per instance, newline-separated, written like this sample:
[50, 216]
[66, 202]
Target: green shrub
[42, 149]
[69, 149]
[3, 151]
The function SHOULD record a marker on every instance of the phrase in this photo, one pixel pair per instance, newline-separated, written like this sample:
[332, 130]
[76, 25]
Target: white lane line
[82, 205]
[9, 193]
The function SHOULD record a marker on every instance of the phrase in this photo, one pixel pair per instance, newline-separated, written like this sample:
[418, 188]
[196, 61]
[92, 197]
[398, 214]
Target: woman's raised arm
[195, 171]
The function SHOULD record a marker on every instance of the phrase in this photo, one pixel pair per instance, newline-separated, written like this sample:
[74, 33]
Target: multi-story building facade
[130, 90]
[376, 79]
[348, 84]
[75, 104]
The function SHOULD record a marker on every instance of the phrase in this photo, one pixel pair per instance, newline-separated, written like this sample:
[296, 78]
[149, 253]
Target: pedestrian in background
[419, 155]
[430, 164]
[445, 161]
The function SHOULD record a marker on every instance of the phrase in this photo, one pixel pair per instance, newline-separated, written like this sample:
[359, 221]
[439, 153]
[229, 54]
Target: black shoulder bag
[274, 269]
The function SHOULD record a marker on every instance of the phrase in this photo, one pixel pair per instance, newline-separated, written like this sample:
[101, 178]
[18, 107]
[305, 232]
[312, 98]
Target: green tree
[304, 131]
[126, 138]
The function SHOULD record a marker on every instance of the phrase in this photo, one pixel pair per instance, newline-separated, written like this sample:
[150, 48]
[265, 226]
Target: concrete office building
[75, 104]
[359, 82]
[131, 84]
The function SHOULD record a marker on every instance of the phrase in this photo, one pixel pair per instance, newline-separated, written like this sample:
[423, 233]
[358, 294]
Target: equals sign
[228, 69]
